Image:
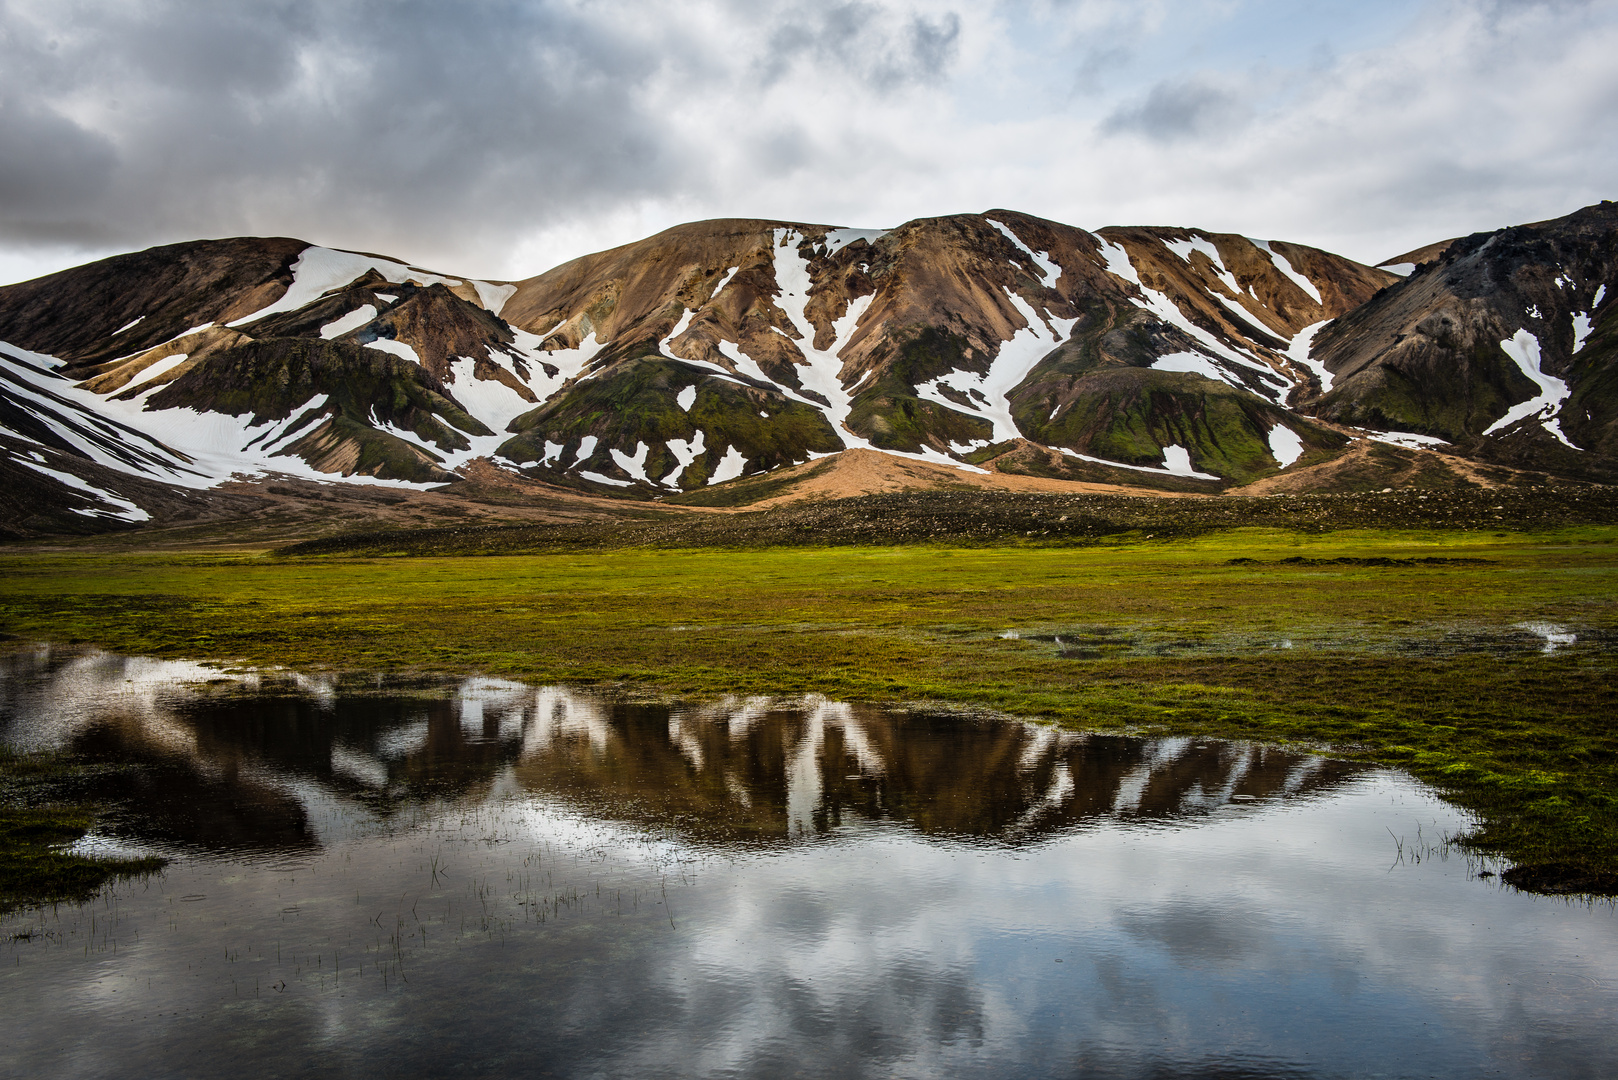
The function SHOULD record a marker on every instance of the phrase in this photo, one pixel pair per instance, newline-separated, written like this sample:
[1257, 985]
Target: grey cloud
[1089, 77]
[50, 168]
[864, 42]
[1179, 109]
[351, 119]
[932, 44]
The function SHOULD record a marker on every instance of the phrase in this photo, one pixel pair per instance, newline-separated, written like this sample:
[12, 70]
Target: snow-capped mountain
[731, 346]
[721, 349]
[1497, 347]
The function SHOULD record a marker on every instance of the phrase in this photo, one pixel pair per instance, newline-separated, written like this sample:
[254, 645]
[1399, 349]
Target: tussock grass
[34, 828]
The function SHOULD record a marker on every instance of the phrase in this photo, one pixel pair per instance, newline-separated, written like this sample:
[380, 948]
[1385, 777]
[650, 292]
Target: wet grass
[1524, 739]
[35, 825]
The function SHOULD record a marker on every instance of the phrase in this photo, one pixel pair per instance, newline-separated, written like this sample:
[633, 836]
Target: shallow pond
[484, 878]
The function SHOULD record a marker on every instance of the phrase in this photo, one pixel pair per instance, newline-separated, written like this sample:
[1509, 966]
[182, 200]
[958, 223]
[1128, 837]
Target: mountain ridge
[989, 345]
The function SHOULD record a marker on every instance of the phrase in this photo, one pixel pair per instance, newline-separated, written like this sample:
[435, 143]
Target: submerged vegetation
[35, 825]
[1480, 661]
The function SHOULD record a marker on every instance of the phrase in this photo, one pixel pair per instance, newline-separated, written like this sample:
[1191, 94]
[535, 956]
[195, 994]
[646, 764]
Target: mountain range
[729, 361]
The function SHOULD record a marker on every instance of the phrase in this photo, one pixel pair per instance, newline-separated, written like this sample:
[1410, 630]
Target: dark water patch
[1521, 639]
[1351, 560]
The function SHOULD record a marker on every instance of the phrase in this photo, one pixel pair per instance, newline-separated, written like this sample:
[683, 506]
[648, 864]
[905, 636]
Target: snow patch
[587, 446]
[1009, 368]
[493, 297]
[352, 321]
[319, 270]
[1176, 462]
[600, 479]
[1282, 264]
[1601, 291]
[1049, 272]
[634, 466]
[568, 362]
[397, 348]
[743, 363]
[685, 451]
[837, 239]
[1298, 353]
[406, 435]
[719, 288]
[586, 449]
[494, 403]
[553, 452]
[1118, 264]
[387, 298]
[679, 328]
[147, 380]
[1523, 348]
[1196, 364]
[1235, 307]
[822, 370]
[1581, 329]
[1285, 445]
[729, 468]
[130, 325]
[289, 427]
[1407, 439]
[686, 398]
[1402, 269]
[195, 449]
[1184, 248]
[1160, 305]
[125, 509]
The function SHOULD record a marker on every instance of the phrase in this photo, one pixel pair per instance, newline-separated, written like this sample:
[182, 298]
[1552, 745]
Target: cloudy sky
[500, 137]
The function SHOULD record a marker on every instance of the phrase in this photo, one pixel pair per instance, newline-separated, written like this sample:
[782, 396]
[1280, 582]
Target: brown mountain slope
[1500, 347]
[82, 315]
[935, 339]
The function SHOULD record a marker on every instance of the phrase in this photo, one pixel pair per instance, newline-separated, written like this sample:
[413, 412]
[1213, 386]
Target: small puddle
[1130, 642]
[483, 877]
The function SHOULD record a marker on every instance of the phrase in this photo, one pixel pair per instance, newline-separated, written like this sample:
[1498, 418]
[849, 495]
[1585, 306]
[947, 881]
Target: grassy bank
[35, 824]
[1418, 648]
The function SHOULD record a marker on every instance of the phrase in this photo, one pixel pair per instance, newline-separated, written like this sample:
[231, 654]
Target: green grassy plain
[1411, 663]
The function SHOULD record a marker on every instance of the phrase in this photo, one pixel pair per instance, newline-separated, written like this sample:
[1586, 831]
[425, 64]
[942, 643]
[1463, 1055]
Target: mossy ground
[34, 827]
[1394, 660]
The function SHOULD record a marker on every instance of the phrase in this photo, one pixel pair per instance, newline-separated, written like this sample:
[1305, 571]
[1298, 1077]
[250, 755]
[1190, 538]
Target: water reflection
[488, 879]
[229, 762]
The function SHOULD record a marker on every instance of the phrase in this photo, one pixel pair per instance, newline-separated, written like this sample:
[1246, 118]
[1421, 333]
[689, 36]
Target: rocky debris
[987, 518]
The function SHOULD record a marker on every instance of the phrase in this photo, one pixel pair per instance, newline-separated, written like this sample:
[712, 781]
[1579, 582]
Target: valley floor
[1480, 657]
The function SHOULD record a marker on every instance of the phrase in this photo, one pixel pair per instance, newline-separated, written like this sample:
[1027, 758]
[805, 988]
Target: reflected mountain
[763, 772]
[234, 762]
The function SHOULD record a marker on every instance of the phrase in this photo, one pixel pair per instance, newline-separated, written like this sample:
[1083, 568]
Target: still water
[485, 878]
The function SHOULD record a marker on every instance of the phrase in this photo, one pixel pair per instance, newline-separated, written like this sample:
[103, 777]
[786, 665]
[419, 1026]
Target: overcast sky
[499, 137]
